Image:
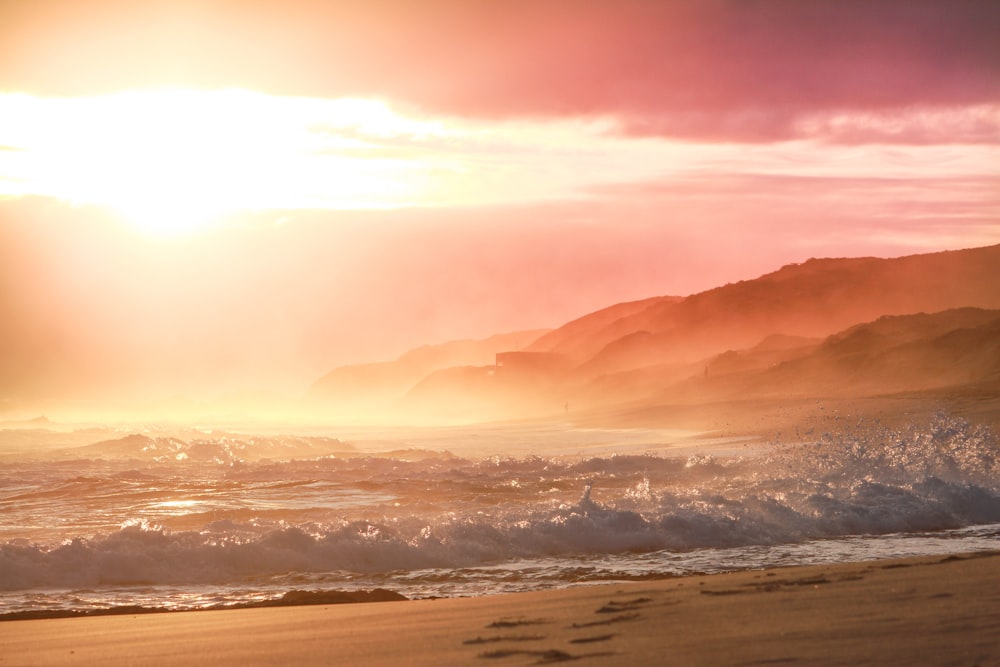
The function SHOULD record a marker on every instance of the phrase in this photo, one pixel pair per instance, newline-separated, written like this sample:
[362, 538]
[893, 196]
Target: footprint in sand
[506, 623]
[623, 610]
[616, 607]
[607, 621]
[590, 640]
[552, 655]
[544, 657]
[517, 622]
[626, 610]
[504, 638]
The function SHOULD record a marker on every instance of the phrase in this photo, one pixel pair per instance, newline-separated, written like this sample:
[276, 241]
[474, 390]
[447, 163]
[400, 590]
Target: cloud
[720, 69]
[911, 125]
[982, 188]
[974, 124]
[961, 199]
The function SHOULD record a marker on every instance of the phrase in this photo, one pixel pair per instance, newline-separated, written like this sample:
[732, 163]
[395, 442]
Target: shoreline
[292, 598]
[927, 610]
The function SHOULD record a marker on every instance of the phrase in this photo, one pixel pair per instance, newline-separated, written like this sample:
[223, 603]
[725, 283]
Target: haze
[202, 199]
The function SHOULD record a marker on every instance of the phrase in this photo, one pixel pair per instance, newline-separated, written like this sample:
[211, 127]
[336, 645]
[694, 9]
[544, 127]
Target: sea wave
[439, 512]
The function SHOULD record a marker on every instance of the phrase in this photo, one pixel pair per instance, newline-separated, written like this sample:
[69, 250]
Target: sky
[220, 196]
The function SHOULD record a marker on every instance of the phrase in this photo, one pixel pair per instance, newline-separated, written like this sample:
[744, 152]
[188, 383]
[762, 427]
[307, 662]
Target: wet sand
[926, 611]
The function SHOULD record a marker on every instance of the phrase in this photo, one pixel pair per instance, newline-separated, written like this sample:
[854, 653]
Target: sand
[926, 611]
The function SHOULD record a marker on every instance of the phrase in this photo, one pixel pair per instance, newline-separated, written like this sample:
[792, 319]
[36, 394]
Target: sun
[175, 162]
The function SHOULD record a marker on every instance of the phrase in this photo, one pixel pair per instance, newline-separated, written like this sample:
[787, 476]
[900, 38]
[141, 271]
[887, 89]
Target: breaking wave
[242, 523]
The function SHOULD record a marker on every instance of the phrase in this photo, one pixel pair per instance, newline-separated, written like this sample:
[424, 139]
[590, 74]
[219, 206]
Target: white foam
[386, 517]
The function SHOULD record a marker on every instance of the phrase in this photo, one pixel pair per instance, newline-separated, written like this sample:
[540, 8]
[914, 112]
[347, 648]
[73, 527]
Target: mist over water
[182, 522]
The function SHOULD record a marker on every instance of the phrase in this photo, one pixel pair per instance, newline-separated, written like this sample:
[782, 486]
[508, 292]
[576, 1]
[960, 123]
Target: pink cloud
[913, 125]
[716, 69]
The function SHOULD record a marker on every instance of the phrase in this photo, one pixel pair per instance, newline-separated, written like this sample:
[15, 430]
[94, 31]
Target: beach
[499, 333]
[918, 611]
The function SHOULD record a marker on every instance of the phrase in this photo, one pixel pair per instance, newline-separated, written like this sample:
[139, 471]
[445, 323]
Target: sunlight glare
[175, 161]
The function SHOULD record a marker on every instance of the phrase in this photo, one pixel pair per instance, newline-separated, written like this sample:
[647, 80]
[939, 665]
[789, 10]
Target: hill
[813, 299]
[374, 386]
[840, 329]
[894, 369]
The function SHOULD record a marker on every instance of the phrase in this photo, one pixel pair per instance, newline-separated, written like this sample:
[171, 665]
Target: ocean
[167, 518]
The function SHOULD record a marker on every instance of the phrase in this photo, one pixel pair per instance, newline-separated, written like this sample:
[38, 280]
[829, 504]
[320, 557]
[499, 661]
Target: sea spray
[437, 522]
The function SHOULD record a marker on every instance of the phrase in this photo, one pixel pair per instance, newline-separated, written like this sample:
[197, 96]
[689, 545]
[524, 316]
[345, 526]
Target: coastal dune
[927, 611]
